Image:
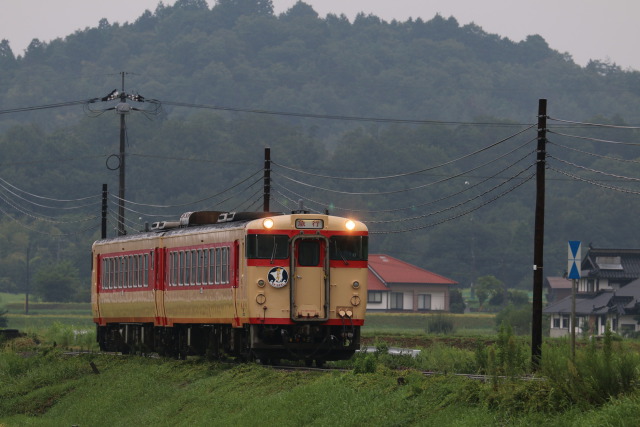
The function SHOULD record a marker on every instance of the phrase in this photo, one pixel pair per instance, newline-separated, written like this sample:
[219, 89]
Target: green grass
[51, 389]
[416, 323]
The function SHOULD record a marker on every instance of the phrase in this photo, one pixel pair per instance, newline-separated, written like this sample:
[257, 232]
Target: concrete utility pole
[122, 108]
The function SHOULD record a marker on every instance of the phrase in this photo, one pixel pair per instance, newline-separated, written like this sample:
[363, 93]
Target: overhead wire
[626, 178]
[593, 154]
[43, 107]
[448, 178]
[433, 224]
[466, 156]
[189, 203]
[448, 208]
[595, 183]
[592, 124]
[339, 117]
[48, 198]
[427, 203]
[594, 139]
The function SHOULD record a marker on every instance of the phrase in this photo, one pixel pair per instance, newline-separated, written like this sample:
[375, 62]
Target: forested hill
[239, 54]
[420, 128]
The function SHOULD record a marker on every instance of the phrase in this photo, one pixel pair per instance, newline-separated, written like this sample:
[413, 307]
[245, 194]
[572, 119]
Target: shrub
[440, 324]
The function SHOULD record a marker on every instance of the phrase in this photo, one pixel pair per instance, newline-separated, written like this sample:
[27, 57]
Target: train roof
[193, 222]
[202, 221]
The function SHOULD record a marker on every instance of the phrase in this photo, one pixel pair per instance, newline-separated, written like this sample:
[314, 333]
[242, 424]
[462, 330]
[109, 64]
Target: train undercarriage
[268, 344]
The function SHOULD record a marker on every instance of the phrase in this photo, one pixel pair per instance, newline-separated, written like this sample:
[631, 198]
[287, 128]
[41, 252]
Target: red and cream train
[252, 285]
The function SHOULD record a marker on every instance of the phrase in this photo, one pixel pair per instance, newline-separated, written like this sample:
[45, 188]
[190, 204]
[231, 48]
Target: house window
[556, 322]
[565, 322]
[591, 285]
[396, 301]
[424, 301]
[374, 297]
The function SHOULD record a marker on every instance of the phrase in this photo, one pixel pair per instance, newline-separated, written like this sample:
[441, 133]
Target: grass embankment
[47, 388]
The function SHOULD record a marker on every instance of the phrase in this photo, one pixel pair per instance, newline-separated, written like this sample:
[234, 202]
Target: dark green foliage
[60, 283]
[518, 317]
[238, 54]
[456, 301]
[440, 324]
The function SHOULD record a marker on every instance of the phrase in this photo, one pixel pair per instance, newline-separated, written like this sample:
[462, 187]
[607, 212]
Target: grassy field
[48, 388]
[41, 386]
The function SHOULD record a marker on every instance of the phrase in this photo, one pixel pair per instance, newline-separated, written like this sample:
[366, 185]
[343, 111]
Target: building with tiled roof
[608, 291]
[396, 285]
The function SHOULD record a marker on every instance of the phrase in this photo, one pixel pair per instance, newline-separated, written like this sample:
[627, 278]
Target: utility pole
[122, 108]
[538, 240]
[267, 178]
[105, 194]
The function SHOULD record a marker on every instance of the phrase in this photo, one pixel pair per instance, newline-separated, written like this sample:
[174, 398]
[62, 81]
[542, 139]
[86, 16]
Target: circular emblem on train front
[278, 277]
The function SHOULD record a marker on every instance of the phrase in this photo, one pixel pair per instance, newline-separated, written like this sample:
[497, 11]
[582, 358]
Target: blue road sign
[575, 258]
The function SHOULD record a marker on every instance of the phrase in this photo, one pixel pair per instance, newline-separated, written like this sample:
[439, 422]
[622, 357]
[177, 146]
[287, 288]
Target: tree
[487, 287]
[58, 282]
[456, 301]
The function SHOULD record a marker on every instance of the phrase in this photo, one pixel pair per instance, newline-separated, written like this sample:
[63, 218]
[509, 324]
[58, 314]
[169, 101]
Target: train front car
[305, 279]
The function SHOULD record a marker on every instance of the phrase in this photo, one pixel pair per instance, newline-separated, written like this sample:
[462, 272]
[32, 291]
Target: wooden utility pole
[538, 240]
[105, 195]
[267, 179]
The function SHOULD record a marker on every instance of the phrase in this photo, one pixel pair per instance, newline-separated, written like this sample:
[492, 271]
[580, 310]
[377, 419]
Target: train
[261, 286]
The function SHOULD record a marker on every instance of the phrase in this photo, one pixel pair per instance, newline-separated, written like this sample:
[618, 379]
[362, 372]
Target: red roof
[386, 269]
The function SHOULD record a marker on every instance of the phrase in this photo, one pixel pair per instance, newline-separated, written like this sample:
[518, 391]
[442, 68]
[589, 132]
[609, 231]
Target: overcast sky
[606, 30]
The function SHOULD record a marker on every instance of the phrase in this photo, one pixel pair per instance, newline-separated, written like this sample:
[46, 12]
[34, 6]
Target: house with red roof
[395, 285]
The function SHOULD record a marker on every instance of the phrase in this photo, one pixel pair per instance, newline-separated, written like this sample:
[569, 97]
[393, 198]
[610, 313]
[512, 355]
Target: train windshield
[268, 246]
[349, 248]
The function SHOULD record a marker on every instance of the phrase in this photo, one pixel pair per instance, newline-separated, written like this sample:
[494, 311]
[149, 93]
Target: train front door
[309, 278]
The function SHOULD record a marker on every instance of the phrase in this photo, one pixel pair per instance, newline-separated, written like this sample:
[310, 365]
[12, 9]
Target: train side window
[225, 265]
[136, 271]
[194, 267]
[218, 265]
[205, 265]
[145, 271]
[127, 271]
[212, 266]
[187, 268]
[172, 269]
[105, 273]
[181, 269]
[114, 284]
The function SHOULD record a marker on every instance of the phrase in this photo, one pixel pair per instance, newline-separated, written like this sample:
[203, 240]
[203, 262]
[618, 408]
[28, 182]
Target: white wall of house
[437, 301]
[407, 301]
[382, 305]
[560, 325]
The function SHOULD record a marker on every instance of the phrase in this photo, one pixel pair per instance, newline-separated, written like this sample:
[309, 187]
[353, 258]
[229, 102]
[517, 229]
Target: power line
[593, 124]
[595, 139]
[433, 224]
[413, 172]
[594, 154]
[340, 117]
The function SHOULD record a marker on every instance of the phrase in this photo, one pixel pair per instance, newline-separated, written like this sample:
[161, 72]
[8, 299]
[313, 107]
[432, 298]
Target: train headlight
[261, 283]
[350, 225]
[267, 223]
[355, 284]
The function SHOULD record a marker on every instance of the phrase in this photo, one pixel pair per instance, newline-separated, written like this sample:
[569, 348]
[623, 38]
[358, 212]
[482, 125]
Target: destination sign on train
[310, 223]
